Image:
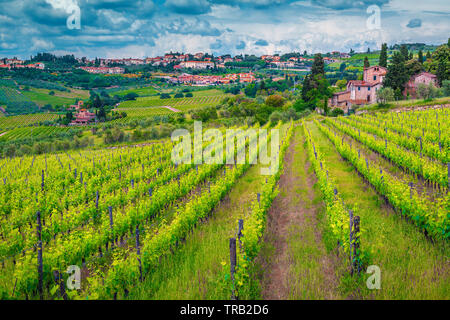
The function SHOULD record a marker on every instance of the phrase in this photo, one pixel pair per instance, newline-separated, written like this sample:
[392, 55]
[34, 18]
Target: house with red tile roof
[83, 117]
[360, 92]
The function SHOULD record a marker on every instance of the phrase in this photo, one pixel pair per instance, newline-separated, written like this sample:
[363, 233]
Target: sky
[147, 28]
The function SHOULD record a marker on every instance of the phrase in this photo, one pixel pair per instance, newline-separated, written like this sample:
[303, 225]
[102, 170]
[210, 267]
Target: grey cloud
[414, 23]
[261, 43]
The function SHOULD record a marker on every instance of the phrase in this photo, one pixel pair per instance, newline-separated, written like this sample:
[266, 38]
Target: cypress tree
[420, 56]
[383, 55]
[318, 67]
[366, 63]
[404, 51]
[397, 75]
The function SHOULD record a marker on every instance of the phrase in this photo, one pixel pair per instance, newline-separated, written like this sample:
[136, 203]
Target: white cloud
[65, 5]
[41, 44]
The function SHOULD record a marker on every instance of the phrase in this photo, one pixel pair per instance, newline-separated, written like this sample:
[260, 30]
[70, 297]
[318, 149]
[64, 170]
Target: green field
[142, 92]
[192, 103]
[41, 98]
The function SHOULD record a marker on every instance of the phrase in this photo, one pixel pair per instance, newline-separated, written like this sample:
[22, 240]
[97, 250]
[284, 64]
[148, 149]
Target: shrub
[337, 112]
[427, 92]
[275, 101]
[385, 95]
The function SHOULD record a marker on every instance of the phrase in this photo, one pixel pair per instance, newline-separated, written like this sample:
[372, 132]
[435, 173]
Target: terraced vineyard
[184, 104]
[11, 122]
[142, 113]
[32, 132]
[15, 102]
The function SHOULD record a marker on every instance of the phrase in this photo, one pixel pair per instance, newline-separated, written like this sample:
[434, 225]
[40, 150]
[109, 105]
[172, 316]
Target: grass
[198, 269]
[142, 92]
[407, 104]
[195, 270]
[309, 266]
[41, 98]
[412, 266]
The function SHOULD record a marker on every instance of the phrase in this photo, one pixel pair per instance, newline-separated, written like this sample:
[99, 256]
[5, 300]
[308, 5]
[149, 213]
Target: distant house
[104, 70]
[83, 117]
[360, 92]
[197, 64]
[424, 78]
[77, 106]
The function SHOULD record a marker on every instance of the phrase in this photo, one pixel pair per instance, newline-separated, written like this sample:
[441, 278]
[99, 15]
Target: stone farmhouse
[360, 92]
[421, 78]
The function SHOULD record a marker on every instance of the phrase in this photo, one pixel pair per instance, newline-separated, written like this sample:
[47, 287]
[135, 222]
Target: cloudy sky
[141, 28]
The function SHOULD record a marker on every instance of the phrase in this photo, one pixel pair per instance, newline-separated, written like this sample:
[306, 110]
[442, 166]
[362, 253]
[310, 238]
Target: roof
[340, 93]
[361, 83]
[430, 75]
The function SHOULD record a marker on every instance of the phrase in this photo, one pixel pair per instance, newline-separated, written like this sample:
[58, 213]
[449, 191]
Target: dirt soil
[295, 210]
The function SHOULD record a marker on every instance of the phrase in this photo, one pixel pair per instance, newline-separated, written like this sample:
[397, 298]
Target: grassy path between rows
[295, 256]
[412, 267]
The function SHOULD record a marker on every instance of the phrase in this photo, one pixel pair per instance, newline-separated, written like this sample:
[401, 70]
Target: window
[369, 88]
[374, 78]
[359, 88]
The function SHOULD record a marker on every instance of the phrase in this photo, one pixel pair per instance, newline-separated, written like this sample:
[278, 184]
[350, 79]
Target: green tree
[306, 87]
[446, 88]
[318, 67]
[413, 67]
[250, 90]
[427, 92]
[397, 75]
[275, 101]
[97, 102]
[385, 95]
[404, 52]
[420, 59]
[366, 63]
[383, 55]
[341, 84]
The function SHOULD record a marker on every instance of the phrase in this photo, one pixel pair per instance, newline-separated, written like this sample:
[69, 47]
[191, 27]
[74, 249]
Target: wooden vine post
[59, 281]
[39, 256]
[240, 228]
[356, 245]
[350, 212]
[43, 182]
[111, 224]
[448, 174]
[138, 252]
[233, 259]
